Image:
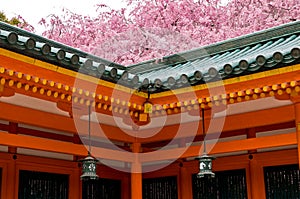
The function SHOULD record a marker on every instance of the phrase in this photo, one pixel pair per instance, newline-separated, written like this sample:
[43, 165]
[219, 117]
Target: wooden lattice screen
[282, 182]
[41, 185]
[101, 188]
[226, 185]
[160, 188]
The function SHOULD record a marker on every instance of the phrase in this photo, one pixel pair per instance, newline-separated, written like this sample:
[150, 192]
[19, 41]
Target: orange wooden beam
[76, 149]
[44, 70]
[252, 81]
[66, 124]
[232, 122]
[223, 147]
[58, 122]
[36, 118]
[22, 66]
[255, 143]
[42, 144]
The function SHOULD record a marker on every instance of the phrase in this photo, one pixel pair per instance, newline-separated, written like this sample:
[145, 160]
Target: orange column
[257, 180]
[11, 184]
[185, 177]
[251, 133]
[136, 174]
[185, 182]
[13, 129]
[75, 188]
[297, 120]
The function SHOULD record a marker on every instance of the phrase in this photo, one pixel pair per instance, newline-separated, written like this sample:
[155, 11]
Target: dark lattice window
[282, 182]
[41, 185]
[226, 185]
[160, 188]
[101, 188]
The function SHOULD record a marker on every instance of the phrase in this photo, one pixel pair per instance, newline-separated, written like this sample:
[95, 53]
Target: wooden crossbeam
[35, 143]
[223, 147]
[112, 154]
[58, 122]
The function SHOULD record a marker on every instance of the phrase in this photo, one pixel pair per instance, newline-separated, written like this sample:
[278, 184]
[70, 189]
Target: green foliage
[13, 21]
[3, 17]
[16, 21]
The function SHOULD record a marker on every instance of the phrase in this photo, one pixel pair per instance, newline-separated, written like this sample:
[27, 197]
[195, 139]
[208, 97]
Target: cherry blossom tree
[152, 29]
[18, 21]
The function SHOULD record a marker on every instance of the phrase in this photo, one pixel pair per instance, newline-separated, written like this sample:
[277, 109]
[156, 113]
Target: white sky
[34, 10]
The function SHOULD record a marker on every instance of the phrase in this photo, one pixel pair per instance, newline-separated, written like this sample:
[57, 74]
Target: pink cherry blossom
[151, 29]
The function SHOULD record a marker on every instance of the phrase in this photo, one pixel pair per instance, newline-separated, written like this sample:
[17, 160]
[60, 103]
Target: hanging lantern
[148, 107]
[141, 118]
[89, 165]
[205, 161]
[205, 166]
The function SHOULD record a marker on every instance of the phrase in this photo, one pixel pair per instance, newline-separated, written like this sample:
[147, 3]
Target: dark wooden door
[160, 188]
[226, 185]
[101, 189]
[282, 182]
[42, 185]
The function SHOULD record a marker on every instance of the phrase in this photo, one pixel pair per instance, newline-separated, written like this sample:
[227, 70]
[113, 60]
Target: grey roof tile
[263, 50]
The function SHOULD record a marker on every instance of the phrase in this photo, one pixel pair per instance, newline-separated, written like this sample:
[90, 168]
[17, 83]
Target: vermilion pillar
[297, 120]
[185, 183]
[10, 181]
[256, 179]
[136, 174]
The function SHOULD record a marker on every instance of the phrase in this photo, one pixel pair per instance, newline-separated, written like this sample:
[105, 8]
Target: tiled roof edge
[38, 38]
[219, 47]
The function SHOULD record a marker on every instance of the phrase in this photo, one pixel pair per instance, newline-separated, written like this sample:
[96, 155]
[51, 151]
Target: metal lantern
[89, 165]
[205, 161]
[148, 107]
[205, 166]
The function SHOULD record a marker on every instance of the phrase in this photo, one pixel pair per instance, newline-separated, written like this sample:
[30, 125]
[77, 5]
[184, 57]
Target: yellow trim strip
[229, 81]
[64, 71]
[74, 74]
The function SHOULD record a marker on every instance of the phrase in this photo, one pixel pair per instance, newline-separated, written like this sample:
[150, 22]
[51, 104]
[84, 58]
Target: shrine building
[220, 121]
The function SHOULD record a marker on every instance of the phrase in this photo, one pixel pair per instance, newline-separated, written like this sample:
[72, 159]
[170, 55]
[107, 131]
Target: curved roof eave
[264, 50]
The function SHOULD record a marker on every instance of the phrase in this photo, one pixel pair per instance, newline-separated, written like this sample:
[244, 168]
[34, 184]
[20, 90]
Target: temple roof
[252, 53]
